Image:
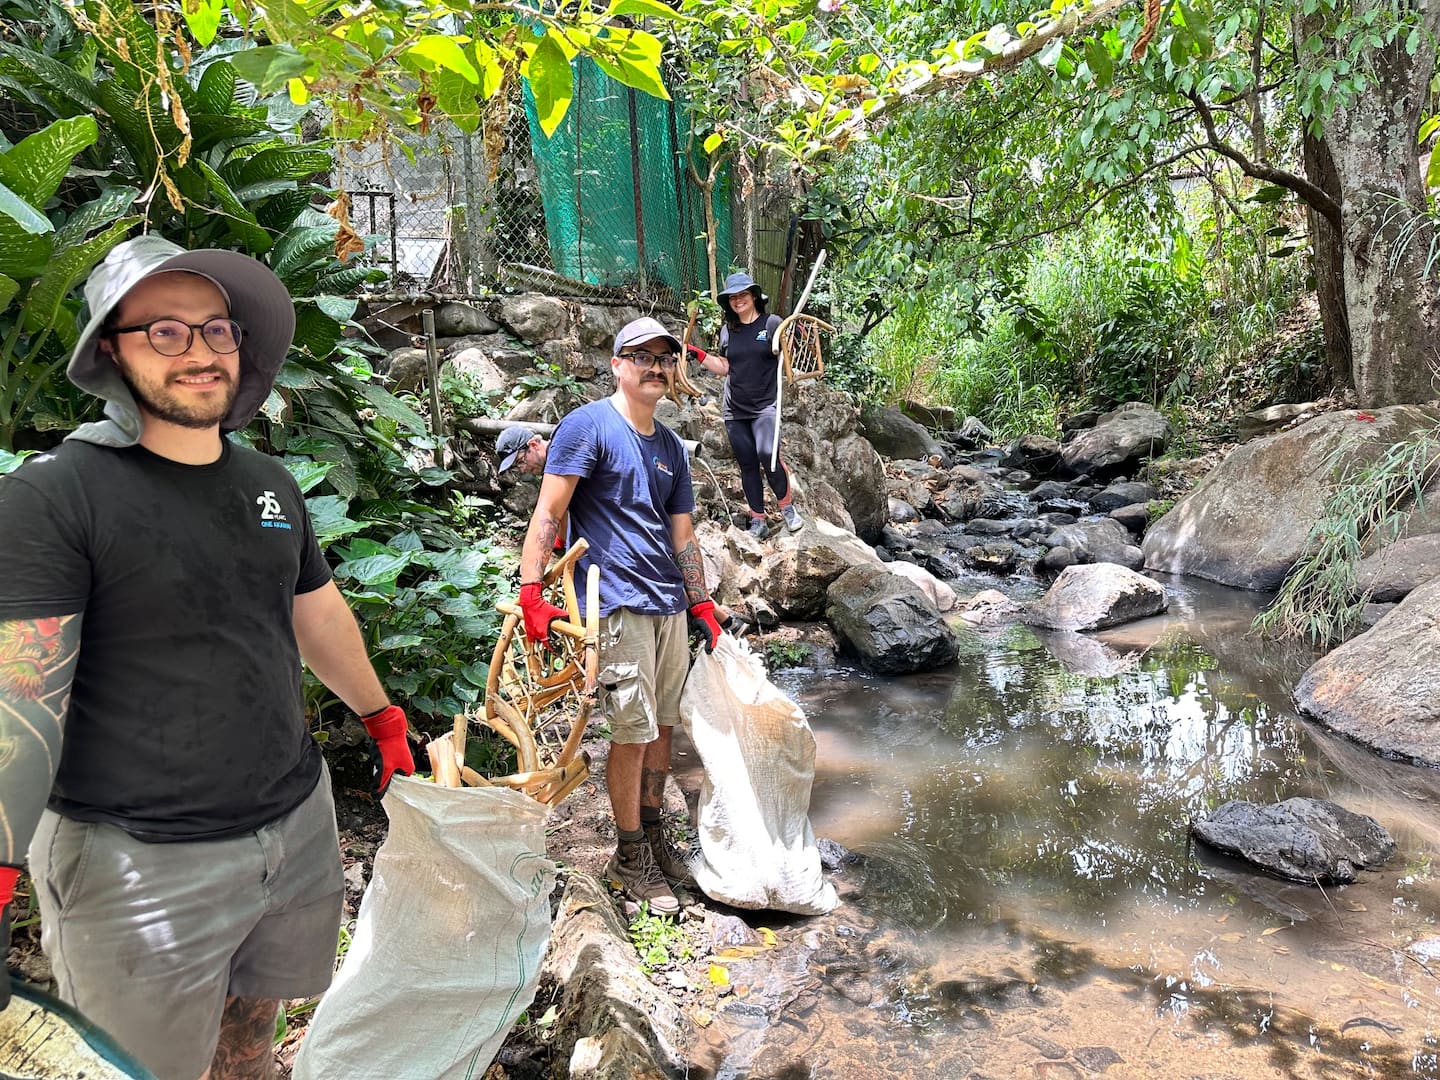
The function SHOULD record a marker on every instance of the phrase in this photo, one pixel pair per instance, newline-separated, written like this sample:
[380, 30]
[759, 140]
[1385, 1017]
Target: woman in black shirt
[748, 408]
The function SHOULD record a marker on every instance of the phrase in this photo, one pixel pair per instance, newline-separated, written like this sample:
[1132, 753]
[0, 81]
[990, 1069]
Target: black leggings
[752, 441]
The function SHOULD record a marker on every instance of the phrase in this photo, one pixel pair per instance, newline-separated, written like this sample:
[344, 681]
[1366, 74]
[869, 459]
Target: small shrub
[658, 940]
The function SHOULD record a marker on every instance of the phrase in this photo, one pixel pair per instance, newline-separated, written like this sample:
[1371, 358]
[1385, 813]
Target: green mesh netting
[621, 207]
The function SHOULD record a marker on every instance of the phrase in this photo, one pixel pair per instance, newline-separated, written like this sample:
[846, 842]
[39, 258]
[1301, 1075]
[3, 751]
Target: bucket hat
[511, 441]
[739, 282]
[257, 299]
[638, 330]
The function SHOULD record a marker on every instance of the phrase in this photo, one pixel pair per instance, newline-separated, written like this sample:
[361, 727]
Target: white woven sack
[447, 946]
[757, 849]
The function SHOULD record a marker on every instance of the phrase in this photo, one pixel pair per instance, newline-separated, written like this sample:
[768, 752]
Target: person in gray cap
[162, 586]
[624, 479]
[520, 447]
[748, 404]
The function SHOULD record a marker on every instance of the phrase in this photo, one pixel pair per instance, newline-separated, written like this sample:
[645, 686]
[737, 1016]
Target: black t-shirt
[750, 386]
[186, 719]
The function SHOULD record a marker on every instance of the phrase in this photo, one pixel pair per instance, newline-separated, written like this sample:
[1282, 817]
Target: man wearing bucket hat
[624, 479]
[748, 406]
[162, 586]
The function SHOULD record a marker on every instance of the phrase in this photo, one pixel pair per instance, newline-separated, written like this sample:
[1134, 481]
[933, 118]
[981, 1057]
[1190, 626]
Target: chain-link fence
[613, 199]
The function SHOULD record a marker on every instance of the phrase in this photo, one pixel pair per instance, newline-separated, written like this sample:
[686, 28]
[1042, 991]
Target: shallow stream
[1031, 903]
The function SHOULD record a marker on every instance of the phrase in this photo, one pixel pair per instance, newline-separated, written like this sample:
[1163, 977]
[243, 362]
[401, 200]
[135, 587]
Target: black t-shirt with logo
[186, 719]
[750, 386]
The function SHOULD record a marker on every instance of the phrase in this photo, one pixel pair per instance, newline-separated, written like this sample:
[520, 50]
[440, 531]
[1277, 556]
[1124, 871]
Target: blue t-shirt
[630, 486]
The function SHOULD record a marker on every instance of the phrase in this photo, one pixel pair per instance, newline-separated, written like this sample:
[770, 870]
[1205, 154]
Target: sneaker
[667, 856]
[634, 867]
[793, 521]
[758, 528]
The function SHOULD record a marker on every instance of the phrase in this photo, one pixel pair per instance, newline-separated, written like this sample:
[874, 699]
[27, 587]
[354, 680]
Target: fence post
[432, 371]
[635, 185]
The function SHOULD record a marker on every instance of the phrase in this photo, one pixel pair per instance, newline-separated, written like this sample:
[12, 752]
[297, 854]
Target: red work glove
[8, 874]
[387, 728]
[539, 613]
[702, 620]
[696, 353]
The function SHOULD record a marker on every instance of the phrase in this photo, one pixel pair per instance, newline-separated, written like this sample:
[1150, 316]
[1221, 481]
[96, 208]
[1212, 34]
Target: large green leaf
[34, 167]
[8, 288]
[315, 332]
[133, 127]
[551, 81]
[97, 213]
[391, 407]
[203, 18]
[57, 82]
[22, 213]
[207, 129]
[281, 163]
[43, 302]
[270, 67]
[278, 212]
[127, 22]
[440, 52]
[298, 248]
[216, 92]
[238, 218]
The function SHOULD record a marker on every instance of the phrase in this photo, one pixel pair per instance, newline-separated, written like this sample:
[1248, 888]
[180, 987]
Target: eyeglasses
[642, 359]
[171, 337]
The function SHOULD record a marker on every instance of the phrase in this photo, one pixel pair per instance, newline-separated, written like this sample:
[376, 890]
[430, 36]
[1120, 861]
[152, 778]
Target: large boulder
[534, 318]
[1096, 540]
[1398, 569]
[1307, 840]
[787, 575]
[1036, 454]
[895, 435]
[1247, 522]
[1096, 596]
[822, 446]
[455, 319]
[1118, 441]
[887, 622]
[1383, 687]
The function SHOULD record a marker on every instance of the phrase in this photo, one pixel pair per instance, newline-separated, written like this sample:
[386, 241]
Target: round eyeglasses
[171, 337]
[642, 359]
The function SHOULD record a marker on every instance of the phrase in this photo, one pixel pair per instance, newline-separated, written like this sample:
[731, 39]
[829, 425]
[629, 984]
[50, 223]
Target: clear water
[1032, 904]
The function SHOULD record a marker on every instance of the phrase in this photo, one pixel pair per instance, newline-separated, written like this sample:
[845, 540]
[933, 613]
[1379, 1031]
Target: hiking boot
[793, 521]
[758, 528]
[634, 867]
[672, 863]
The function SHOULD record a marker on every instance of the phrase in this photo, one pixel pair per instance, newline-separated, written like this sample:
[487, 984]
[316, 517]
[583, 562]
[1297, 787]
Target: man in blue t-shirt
[624, 479]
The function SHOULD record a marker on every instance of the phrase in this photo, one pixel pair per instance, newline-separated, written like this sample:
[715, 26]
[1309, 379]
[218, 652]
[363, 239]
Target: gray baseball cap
[511, 441]
[638, 330]
[258, 301]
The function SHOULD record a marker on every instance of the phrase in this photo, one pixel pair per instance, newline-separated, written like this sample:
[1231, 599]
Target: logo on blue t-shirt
[660, 466]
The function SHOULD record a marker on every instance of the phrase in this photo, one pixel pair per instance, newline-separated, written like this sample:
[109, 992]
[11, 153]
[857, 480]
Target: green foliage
[1319, 601]
[658, 939]
[780, 653]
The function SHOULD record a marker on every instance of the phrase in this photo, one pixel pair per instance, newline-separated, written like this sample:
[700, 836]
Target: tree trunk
[1392, 304]
[1329, 263]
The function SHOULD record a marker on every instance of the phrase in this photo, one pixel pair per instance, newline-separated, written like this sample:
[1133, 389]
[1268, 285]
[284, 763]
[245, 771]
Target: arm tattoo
[37, 666]
[692, 572]
[652, 786]
[247, 1031]
[546, 529]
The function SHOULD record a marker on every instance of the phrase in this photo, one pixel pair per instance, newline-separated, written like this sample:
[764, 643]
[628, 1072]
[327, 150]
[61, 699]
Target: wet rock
[1097, 1058]
[1036, 454]
[901, 511]
[835, 856]
[940, 594]
[1050, 489]
[1383, 687]
[1128, 435]
[1124, 493]
[934, 417]
[854, 987]
[1306, 840]
[1097, 540]
[1056, 559]
[895, 435]
[1052, 1050]
[989, 608]
[963, 501]
[1134, 517]
[1079, 421]
[727, 931]
[1398, 569]
[888, 622]
[988, 527]
[972, 434]
[994, 558]
[1097, 596]
[1248, 521]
